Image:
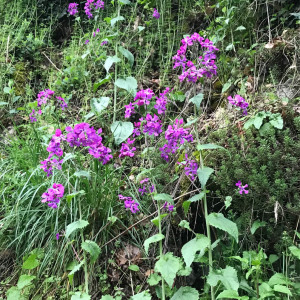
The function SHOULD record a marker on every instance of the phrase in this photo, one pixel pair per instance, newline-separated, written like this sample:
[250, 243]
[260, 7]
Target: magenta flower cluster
[88, 6]
[240, 102]
[72, 9]
[190, 167]
[242, 188]
[168, 206]
[156, 14]
[152, 125]
[175, 136]
[129, 203]
[104, 43]
[126, 150]
[53, 195]
[147, 187]
[161, 102]
[203, 66]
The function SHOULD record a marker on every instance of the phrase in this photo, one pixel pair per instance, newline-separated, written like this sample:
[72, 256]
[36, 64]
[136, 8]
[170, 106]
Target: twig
[52, 62]
[6, 59]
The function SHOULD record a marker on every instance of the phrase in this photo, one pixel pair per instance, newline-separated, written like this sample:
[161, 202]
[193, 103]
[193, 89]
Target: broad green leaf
[190, 249]
[115, 20]
[154, 279]
[276, 120]
[81, 296]
[101, 82]
[75, 226]
[228, 201]
[204, 174]
[197, 100]
[278, 278]
[273, 258]
[197, 197]
[209, 146]
[3, 103]
[126, 53]
[190, 122]
[185, 271]
[156, 220]
[107, 297]
[226, 86]
[82, 173]
[92, 248]
[7, 90]
[110, 61]
[121, 131]
[265, 129]
[141, 296]
[75, 268]
[71, 196]
[163, 197]
[24, 280]
[227, 276]
[229, 294]
[14, 294]
[185, 224]
[295, 251]
[265, 291]
[168, 266]
[229, 47]
[125, 1]
[153, 239]
[99, 104]
[186, 293]
[141, 28]
[282, 289]
[240, 28]
[134, 268]
[219, 221]
[186, 206]
[129, 84]
[31, 262]
[257, 224]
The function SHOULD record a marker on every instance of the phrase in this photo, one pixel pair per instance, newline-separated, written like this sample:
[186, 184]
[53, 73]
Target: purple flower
[49, 163]
[190, 168]
[99, 4]
[242, 188]
[153, 125]
[240, 102]
[161, 102]
[145, 180]
[168, 206]
[175, 136]
[129, 203]
[104, 43]
[34, 114]
[126, 150]
[143, 96]
[87, 41]
[156, 14]
[72, 9]
[88, 7]
[63, 103]
[129, 110]
[44, 96]
[57, 236]
[136, 130]
[53, 195]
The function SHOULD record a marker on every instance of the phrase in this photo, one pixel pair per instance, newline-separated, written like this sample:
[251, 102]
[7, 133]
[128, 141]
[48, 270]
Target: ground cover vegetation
[149, 149]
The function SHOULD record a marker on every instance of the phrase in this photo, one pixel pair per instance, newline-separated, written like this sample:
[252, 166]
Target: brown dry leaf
[149, 272]
[136, 23]
[129, 253]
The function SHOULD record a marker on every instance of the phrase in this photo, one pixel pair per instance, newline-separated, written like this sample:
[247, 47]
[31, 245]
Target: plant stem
[161, 253]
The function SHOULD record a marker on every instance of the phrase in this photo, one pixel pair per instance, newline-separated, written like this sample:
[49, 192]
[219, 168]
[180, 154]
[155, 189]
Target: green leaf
[227, 276]
[186, 293]
[24, 280]
[82, 173]
[101, 82]
[229, 294]
[219, 221]
[163, 197]
[273, 258]
[168, 266]
[134, 268]
[204, 174]
[129, 84]
[265, 291]
[31, 262]
[115, 20]
[15, 294]
[257, 224]
[75, 226]
[295, 251]
[185, 224]
[276, 120]
[92, 248]
[153, 239]
[190, 249]
[80, 296]
[265, 129]
[121, 131]
[75, 268]
[7, 90]
[126, 53]
[110, 61]
[154, 279]
[107, 297]
[278, 278]
[141, 28]
[282, 289]
[156, 220]
[73, 195]
[99, 104]
[197, 100]
[228, 201]
[240, 28]
[197, 197]
[3, 103]
[226, 86]
[125, 1]
[141, 296]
